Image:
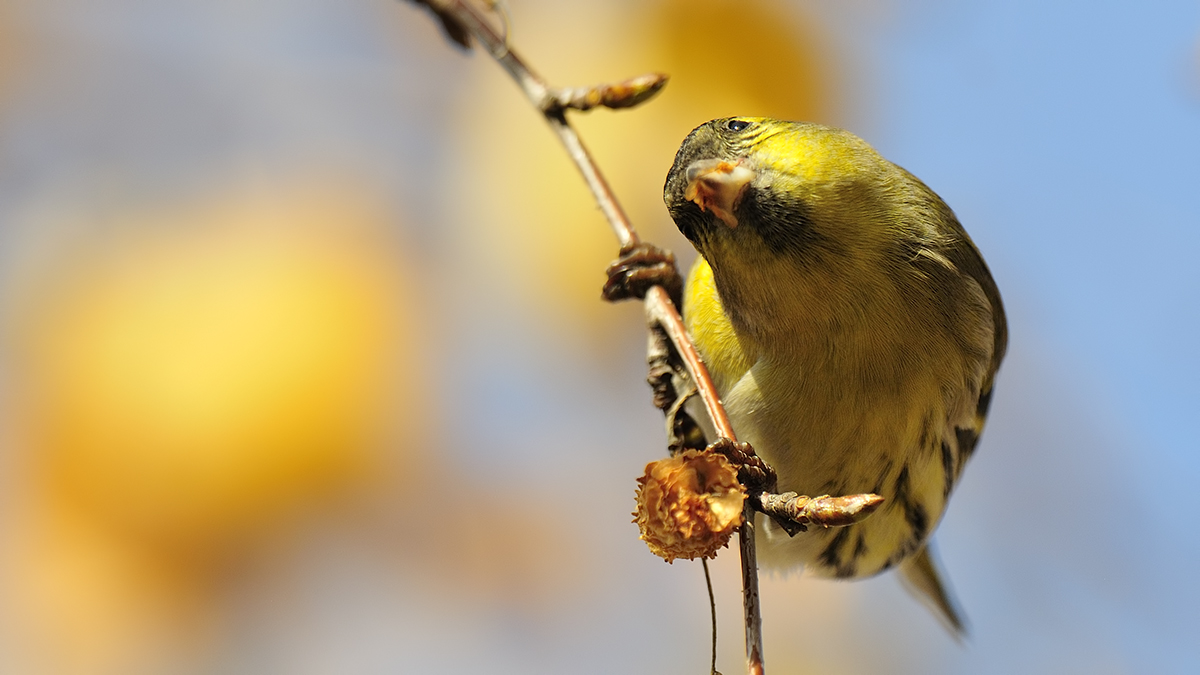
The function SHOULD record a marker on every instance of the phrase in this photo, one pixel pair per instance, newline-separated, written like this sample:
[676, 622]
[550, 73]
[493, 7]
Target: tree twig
[462, 19]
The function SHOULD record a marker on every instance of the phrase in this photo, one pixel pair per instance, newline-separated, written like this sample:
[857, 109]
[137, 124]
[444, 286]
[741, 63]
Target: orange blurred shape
[210, 370]
[758, 57]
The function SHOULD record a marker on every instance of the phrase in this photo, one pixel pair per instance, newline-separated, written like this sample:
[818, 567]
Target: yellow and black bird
[852, 329]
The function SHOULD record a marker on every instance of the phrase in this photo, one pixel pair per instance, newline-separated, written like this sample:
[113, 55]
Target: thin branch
[458, 14]
[751, 609]
[545, 98]
[661, 311]
[712, 609]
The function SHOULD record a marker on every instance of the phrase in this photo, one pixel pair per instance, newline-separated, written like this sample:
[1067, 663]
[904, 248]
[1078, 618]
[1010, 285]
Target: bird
[852, 330]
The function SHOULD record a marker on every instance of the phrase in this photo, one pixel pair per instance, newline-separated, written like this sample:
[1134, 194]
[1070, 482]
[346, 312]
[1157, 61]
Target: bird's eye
[736, 125]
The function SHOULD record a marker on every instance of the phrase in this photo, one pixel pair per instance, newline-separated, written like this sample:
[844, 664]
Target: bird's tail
[923, 578]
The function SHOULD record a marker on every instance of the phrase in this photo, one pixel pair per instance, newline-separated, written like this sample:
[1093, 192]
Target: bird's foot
[639, 267]
[753, 472]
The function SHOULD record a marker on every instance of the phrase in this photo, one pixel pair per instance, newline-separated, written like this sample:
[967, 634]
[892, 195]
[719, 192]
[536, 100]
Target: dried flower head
[689, 505]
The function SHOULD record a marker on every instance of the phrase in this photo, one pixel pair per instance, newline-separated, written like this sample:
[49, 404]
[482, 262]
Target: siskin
[851, 328]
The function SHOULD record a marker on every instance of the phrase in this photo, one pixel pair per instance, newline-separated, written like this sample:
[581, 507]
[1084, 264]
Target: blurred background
[303, 367]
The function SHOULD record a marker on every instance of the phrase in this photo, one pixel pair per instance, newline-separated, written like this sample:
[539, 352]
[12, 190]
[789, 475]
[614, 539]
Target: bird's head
[799, 219]
[758, 188]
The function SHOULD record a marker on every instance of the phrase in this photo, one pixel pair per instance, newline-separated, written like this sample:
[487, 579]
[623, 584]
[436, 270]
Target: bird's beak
[717, 185]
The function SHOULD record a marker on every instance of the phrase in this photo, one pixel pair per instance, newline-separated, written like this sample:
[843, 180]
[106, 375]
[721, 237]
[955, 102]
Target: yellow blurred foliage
[186, 389]
[210, 368]
[529, 218]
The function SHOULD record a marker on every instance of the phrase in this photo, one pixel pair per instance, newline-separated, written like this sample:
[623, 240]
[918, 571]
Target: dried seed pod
[689, 505]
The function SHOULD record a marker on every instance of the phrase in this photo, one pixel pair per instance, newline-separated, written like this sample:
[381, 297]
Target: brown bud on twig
[627, 94]
[824, 511]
